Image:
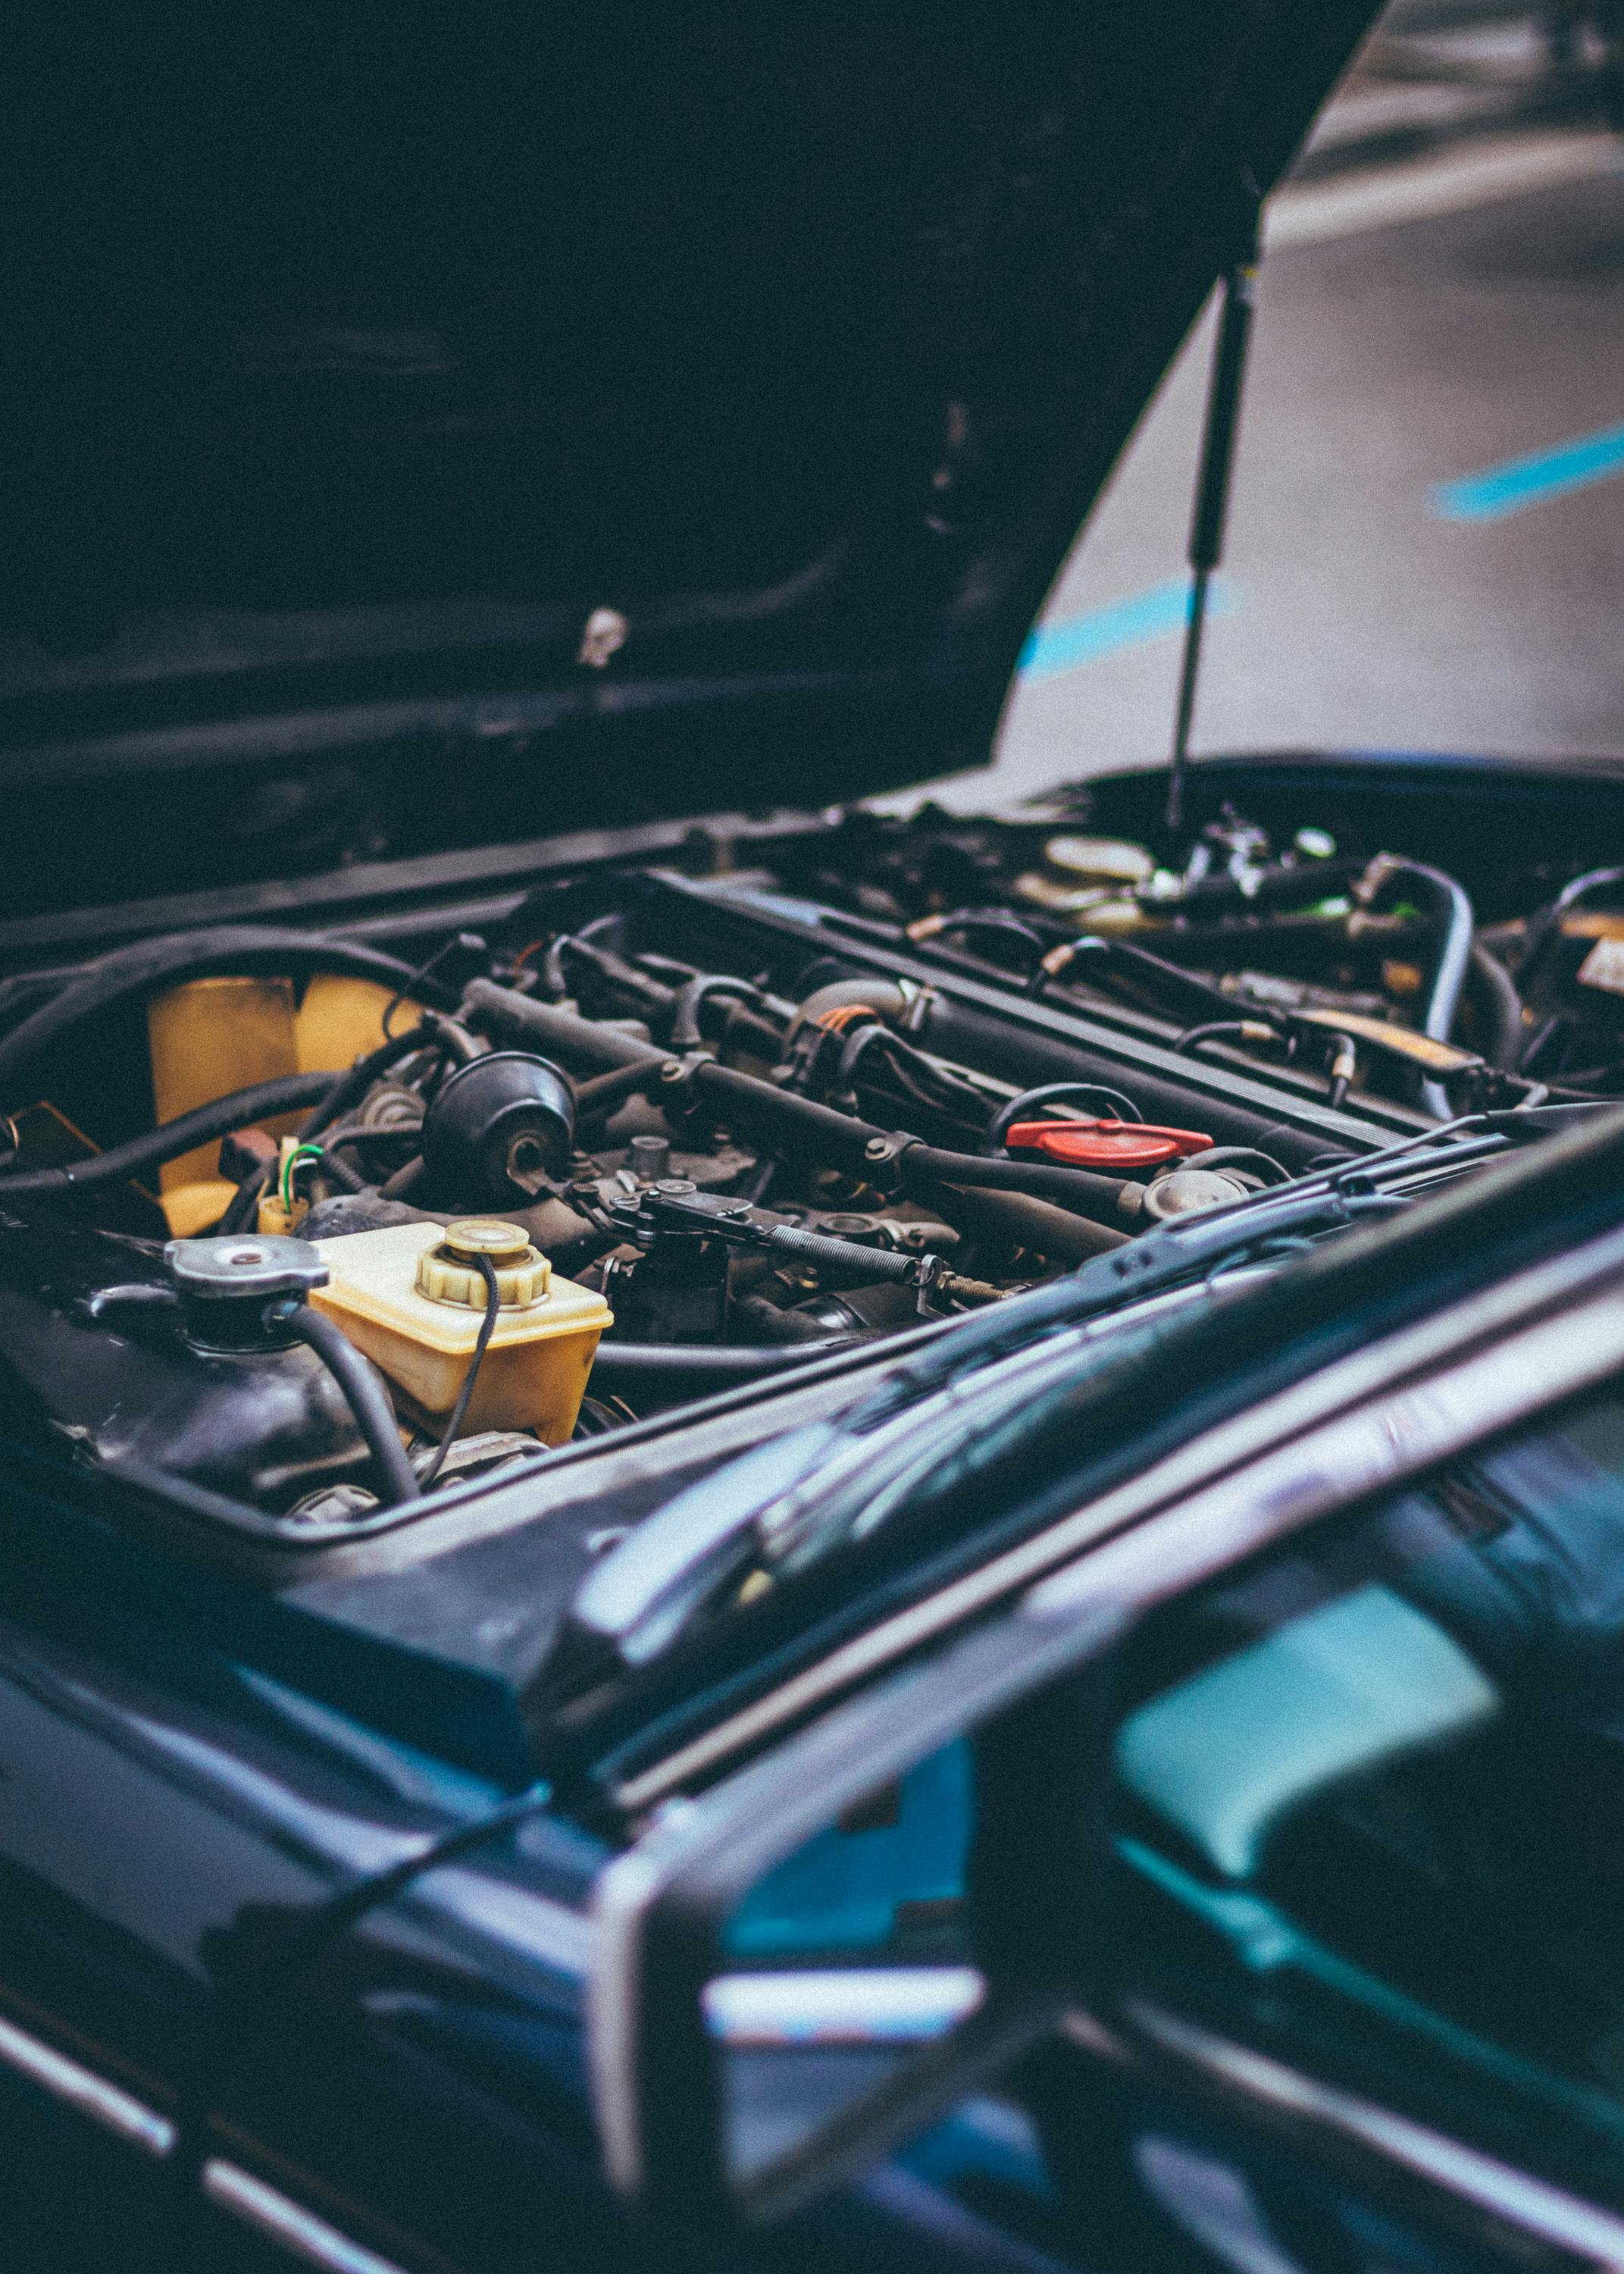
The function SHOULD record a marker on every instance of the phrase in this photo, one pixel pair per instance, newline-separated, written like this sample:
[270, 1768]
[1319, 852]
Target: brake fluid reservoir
[412, 1298]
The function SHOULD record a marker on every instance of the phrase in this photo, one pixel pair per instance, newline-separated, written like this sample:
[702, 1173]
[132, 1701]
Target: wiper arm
[644, 1592]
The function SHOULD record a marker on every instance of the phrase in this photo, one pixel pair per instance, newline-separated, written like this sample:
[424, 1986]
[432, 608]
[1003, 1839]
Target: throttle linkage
[673, 1205]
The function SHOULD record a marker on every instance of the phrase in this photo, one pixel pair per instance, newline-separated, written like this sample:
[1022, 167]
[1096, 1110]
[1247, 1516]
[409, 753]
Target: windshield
[1392, 1753]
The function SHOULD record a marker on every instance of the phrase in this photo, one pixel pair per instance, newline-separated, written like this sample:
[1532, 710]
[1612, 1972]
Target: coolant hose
[625, 1365]
[261, 1101]
[177, 956]
[1024, 1222]
[1451, 913]
[1103, 1198]
[1497, 993]
[883, 997]
[367, 1400]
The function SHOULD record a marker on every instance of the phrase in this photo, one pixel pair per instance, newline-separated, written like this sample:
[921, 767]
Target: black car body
[448, 457]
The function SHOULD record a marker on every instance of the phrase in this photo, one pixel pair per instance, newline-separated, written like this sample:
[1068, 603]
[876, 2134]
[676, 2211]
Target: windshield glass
[1403, 1740]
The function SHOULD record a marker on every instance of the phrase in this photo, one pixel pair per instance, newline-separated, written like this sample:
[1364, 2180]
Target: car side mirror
[807, 1962]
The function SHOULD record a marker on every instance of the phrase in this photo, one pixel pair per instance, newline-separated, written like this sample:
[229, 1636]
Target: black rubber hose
[734, 1021]
[340, 1172]
[601, 1093]
[406, 1179]
[1240, 1156]
[798, 1125]
[1253, 1030]
[1053, 1093]
[1267, 888]
[991, 923]
[512, 1017]
[350, 1089]
[628, 1364]
[347, 1090]
[1497, 995]
[1091, 1195]
[239, 1110]
[1170, 992]
[1452, 924]
[353, 1133]
[685, 1032]
[1547, 923]
[1027, 1222]
[177, 956]
[245, 1202]
[910, 1071]
[793, 1121]
[366, 1398]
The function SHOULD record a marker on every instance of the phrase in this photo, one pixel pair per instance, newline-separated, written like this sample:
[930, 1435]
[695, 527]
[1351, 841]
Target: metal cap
[1183, 1191]
[254, 1266]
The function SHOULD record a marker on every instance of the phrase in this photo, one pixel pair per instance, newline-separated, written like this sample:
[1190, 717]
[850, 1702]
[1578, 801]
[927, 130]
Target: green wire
[299, 1153]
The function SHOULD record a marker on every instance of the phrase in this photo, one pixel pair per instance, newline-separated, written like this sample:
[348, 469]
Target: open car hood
[432, 429]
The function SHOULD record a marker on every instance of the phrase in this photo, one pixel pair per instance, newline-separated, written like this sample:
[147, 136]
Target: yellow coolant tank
[412, 1298]
[211, 1036]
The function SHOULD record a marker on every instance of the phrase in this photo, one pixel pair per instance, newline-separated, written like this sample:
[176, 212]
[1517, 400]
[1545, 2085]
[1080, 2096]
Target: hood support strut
[1212, 497]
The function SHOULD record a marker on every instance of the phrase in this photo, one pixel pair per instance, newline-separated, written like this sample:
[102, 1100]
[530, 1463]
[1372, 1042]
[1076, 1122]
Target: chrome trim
[297, 2231]
[842, 2006]
[1360, 1388]
[1535, 2209]
[79, 2087]
[621, 1899]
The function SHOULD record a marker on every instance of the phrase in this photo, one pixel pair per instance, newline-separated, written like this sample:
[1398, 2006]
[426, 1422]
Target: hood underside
[366, 361]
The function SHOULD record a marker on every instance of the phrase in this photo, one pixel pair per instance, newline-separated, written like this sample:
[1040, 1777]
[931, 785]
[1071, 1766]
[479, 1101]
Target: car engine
[377, 1210]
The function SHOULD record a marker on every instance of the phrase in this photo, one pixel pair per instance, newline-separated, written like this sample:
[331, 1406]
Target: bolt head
[878, 1149]
[672, 1071]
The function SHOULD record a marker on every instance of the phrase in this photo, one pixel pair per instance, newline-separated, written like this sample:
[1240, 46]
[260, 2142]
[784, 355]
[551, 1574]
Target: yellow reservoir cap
[534, 1370]
[447, 1273]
